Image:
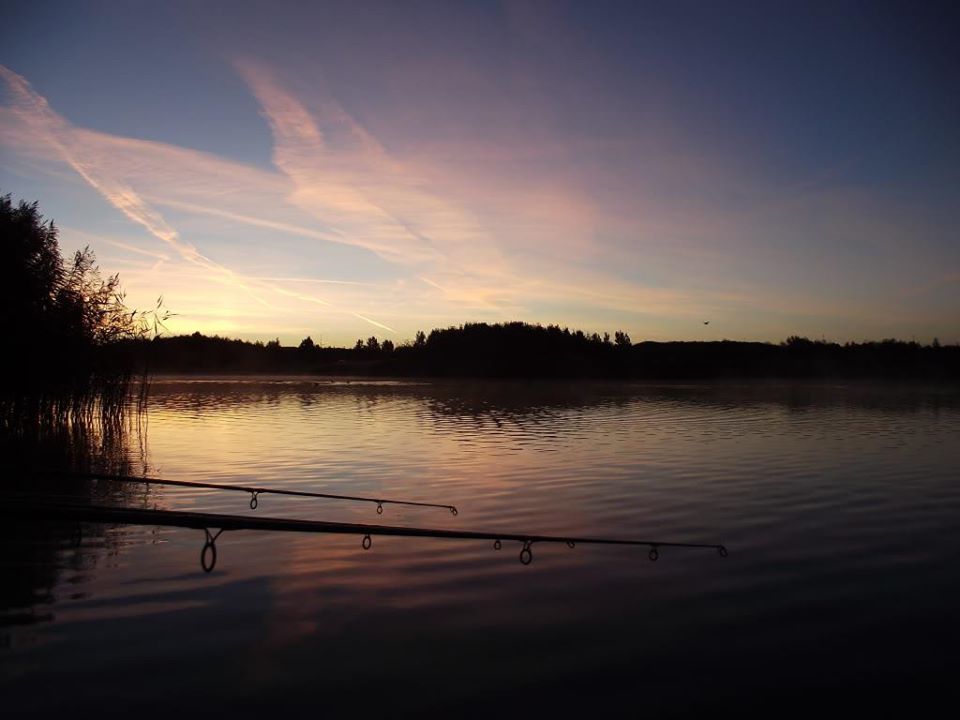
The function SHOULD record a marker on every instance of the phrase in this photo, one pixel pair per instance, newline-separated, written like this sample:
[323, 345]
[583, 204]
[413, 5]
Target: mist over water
[839, 505]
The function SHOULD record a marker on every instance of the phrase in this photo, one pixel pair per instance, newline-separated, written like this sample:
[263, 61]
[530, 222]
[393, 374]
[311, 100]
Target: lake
[839, 505]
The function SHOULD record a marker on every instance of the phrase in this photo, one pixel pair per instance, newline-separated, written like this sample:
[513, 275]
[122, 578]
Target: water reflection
[839, 501]
[44, 550]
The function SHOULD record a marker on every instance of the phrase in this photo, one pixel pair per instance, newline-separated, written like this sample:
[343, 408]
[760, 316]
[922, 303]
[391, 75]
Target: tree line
[524, 350]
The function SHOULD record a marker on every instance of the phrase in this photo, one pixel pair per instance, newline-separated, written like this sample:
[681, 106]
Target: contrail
[373, 322]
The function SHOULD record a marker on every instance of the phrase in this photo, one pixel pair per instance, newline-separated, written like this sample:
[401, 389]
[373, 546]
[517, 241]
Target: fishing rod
[208, 555]
[255, 492]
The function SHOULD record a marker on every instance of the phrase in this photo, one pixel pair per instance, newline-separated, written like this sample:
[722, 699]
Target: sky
[342, 170]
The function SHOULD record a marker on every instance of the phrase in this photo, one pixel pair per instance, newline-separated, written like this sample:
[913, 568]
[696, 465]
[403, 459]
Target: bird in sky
[706, 322]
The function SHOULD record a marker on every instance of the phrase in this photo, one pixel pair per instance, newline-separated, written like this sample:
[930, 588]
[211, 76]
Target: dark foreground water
[840, 507]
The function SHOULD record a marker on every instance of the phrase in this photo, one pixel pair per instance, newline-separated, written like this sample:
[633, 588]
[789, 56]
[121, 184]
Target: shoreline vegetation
[67, 326]
[70, 384]
[522, 350]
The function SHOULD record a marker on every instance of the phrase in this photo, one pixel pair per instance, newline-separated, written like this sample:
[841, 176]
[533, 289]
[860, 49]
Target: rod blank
[253, 491]
[204, 521]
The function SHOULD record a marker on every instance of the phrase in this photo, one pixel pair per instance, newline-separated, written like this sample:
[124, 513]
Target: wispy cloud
[334, 183]
[343, 176]
[47, 130]
[530, 255]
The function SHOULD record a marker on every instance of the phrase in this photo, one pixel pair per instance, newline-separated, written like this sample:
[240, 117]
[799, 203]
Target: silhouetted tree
[60, 315]
[621, 339]
[359, 346]
[307, 343]
[387, 346]
[373, 345]
[420, 340]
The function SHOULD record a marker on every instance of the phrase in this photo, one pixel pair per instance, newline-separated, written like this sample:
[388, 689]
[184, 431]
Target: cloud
[89, 155]
[334, 183]
[343, 176]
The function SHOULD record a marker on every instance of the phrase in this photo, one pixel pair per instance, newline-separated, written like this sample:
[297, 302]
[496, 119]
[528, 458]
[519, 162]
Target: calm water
[840, 507]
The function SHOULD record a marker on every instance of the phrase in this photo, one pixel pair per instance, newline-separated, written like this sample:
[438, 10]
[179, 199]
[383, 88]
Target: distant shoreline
[532, 352]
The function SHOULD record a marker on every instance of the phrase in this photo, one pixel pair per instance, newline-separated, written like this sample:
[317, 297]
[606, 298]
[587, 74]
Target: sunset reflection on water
[836, 503]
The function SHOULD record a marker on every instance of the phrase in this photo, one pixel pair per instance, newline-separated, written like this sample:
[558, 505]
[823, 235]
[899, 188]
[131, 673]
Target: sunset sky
[353, 169]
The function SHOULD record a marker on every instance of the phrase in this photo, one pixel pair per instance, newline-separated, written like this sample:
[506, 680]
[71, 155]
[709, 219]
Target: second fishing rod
[254, 491]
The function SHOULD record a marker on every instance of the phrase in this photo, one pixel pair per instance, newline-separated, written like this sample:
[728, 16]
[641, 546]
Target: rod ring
[254, 501]
[367, 542]
[571, 544]
[454, 511]
[526, 555]
[653, 554]
[208, 556]
[497, 544]
[722, 551]
[379, 508]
